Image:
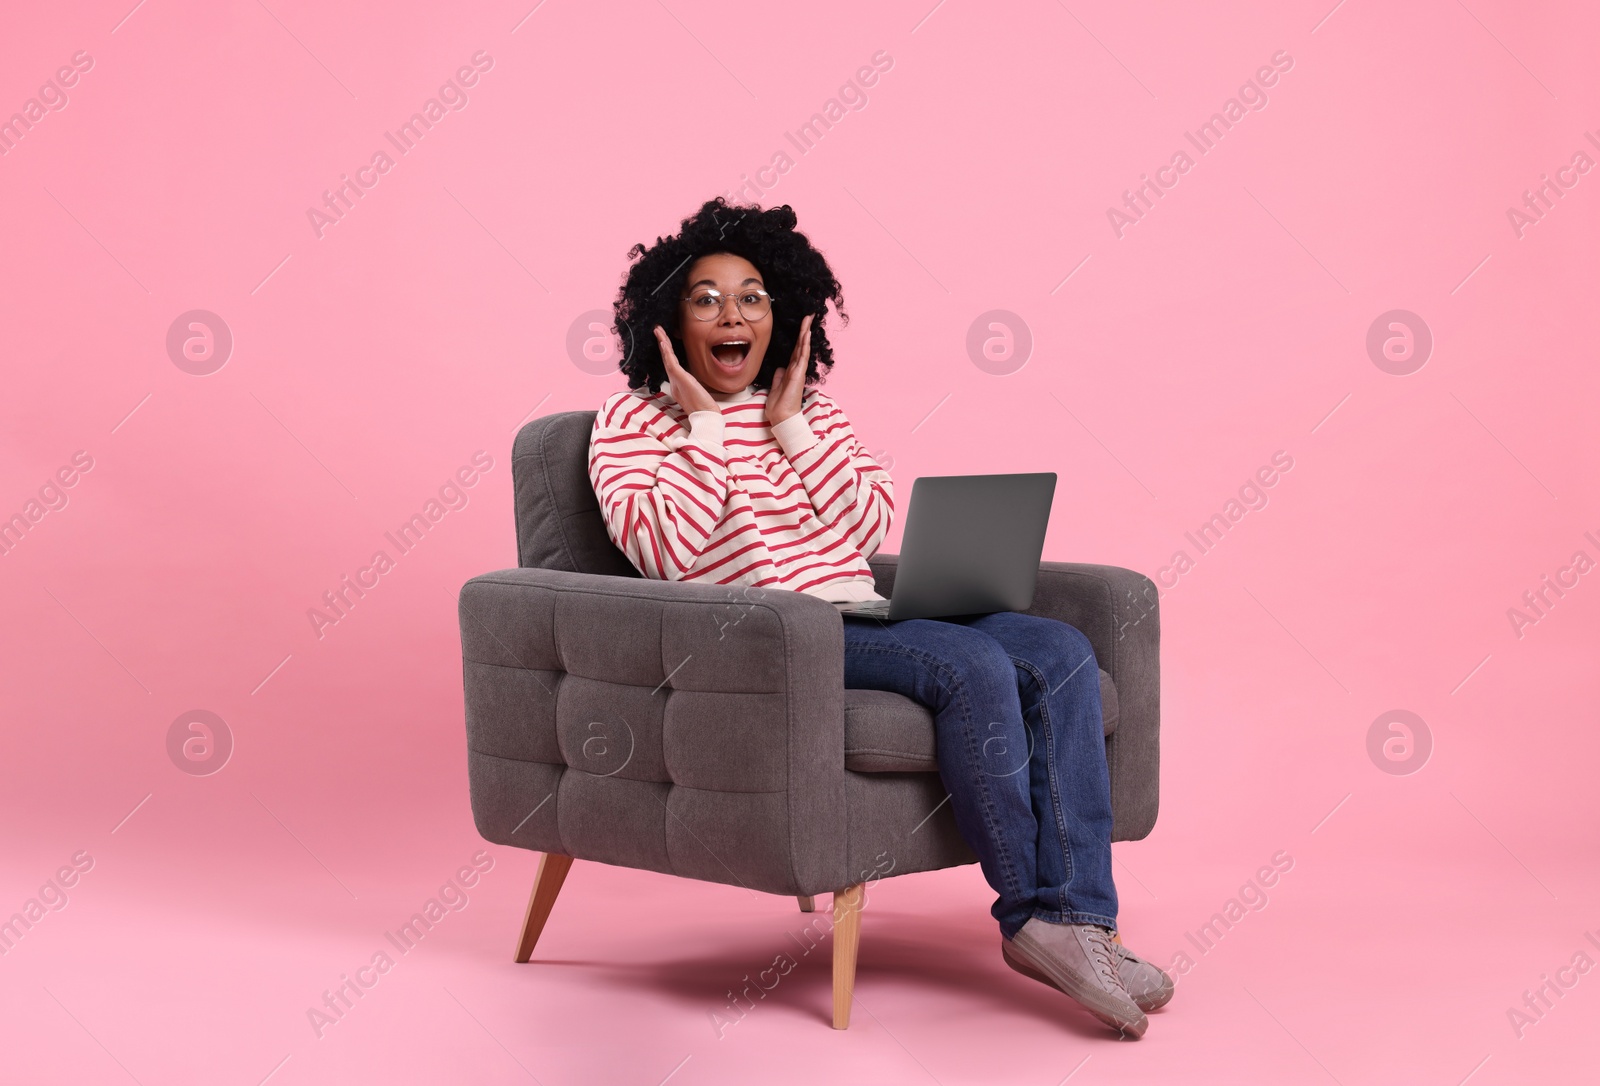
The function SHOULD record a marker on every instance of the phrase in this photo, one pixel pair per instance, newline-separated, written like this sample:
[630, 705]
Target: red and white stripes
[726, 500]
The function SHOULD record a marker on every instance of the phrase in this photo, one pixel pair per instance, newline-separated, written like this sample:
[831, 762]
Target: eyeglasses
[707, 303]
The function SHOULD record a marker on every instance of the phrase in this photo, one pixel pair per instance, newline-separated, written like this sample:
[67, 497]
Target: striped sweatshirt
[720, 497]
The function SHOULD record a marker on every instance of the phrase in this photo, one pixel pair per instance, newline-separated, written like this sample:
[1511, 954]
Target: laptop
[972, 546]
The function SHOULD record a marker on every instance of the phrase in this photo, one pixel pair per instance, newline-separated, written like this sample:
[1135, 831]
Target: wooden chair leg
[553, 868]
[808, 904]
[847, 904]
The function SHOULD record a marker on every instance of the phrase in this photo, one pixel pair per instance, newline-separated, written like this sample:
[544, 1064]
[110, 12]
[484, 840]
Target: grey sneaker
[1147, 984]
[1081, 961]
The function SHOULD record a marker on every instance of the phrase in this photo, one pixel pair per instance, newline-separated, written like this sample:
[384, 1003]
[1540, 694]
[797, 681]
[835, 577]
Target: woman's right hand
[690, 394]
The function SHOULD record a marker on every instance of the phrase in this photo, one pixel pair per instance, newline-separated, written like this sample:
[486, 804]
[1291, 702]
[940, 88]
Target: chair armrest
[687, 728]
[1116, 609]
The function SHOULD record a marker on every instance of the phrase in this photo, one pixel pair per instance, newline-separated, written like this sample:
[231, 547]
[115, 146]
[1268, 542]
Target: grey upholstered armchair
[705, 731]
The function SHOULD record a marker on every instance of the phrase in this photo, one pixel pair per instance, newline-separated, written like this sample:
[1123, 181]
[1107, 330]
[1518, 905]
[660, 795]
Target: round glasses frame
[722, 304]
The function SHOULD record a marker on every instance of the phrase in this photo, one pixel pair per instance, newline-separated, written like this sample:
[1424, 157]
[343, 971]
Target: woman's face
[724, 354]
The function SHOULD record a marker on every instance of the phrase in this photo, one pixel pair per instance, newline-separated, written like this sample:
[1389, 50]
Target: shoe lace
[1104, 952]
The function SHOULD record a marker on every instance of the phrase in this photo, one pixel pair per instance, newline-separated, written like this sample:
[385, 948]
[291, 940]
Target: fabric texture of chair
[705, 731]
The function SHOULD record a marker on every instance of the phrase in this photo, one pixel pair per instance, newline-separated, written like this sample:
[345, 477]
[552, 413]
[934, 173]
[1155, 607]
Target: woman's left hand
[789, 382]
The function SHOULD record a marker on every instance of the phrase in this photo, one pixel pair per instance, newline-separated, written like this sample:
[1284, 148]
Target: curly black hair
[796, 274]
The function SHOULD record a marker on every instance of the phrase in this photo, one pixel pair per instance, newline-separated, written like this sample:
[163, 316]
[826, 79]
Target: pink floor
[1413, 915]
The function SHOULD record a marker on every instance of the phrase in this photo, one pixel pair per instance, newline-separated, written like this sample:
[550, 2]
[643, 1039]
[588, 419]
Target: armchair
[704, 731]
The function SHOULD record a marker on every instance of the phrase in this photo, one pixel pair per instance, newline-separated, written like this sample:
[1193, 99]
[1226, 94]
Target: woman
[721, 465]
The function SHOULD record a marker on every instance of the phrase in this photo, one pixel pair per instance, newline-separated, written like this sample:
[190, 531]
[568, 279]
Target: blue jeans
[1016, 706]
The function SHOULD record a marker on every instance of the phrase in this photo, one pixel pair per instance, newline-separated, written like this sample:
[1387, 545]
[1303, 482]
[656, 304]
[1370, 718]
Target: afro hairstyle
[796, 275]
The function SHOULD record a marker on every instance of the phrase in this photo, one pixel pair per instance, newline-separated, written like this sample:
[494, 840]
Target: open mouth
[731, 355]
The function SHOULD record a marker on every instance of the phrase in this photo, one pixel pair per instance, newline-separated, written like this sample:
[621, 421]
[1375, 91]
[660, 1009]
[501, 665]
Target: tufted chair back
[559, 525]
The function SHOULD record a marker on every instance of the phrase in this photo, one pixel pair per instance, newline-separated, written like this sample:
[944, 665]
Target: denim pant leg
[1058, 682]
[1021, 750]
[968, 682]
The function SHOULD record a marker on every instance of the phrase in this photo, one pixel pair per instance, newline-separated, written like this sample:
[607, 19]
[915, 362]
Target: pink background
[1166, 367]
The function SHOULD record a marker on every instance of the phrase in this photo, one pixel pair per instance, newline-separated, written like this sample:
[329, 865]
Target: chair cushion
[889, 733]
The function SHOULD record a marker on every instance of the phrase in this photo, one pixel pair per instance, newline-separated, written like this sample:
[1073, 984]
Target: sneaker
[1081, 961]
[1147, 984]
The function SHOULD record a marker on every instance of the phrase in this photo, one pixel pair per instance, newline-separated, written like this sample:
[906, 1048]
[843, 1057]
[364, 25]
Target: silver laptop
[972, 546]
